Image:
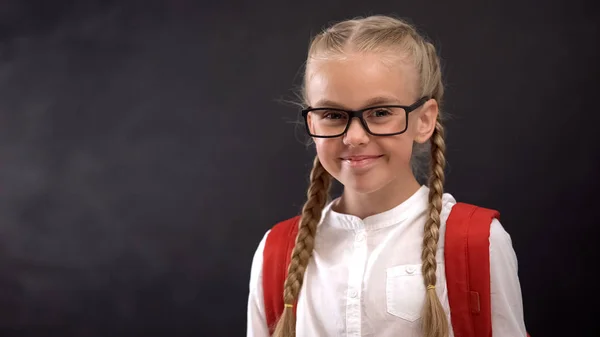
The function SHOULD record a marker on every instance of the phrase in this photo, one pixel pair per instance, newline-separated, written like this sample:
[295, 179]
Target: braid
[318, 191]
[435, 322]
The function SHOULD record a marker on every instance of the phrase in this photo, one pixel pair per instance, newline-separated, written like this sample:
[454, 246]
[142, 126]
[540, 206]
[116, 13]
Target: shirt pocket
[405, 291]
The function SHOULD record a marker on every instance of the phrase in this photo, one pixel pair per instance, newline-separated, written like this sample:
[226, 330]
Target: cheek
[413, 128]
[398, 149]
[327, 148]
[328, 151]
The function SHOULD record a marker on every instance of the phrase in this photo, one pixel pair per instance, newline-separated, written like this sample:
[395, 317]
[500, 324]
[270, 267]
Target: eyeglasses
[381, 120]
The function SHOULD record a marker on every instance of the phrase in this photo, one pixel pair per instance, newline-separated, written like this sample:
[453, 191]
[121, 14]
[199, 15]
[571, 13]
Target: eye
[330, 114]
[380, 113]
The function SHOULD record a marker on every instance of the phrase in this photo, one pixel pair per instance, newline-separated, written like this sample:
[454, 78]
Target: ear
[426, 121]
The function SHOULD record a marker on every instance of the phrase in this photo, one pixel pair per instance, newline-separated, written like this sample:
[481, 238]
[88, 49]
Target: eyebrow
[378, 100]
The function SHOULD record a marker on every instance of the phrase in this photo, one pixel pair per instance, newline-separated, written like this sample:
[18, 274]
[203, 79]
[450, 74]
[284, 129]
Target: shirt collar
[414, 205]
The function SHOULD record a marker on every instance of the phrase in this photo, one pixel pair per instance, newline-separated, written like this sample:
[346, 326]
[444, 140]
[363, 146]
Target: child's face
[353, 83]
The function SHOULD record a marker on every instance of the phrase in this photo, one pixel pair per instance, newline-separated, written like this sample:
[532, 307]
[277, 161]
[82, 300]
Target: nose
[356, 134]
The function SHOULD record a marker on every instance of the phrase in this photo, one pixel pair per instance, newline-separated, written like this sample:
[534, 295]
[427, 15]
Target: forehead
[360, 80]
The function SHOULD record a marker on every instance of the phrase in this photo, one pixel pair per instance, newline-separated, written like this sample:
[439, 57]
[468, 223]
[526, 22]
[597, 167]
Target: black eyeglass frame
[359, 114]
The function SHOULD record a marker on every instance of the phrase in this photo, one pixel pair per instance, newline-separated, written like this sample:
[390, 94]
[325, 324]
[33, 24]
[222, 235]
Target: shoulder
[271, 243]
[499, 238]
[498, 234]
[502, 253]
[278, 232]
[285, 226]
[484, 232]
[257, 264]
[486, 221]
[500, 242]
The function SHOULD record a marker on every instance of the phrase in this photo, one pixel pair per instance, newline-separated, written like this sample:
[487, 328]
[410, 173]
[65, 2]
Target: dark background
[146, 147]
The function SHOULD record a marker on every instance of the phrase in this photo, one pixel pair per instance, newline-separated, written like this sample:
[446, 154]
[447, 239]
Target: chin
[365, 184]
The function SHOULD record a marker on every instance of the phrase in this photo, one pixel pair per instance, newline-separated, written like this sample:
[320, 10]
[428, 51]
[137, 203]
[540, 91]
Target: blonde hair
[378, 34]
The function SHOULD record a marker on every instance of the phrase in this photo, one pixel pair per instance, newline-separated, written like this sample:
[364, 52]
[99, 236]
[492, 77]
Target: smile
[360, 161]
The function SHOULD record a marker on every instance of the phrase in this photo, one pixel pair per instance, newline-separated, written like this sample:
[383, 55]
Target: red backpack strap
[467, 264]
[276, 259]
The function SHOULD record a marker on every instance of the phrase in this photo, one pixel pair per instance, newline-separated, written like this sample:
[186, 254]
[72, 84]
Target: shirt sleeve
[506, 299]
[256, 320]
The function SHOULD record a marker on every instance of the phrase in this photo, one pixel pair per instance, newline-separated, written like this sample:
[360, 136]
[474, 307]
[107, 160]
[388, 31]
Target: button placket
[356, 276]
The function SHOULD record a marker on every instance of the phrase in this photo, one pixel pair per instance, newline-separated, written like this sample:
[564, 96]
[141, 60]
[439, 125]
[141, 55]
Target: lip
[360, 161]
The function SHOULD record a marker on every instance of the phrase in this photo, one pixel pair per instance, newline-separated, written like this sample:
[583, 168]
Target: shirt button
[410, 269]
[360, 237]
[353, 293]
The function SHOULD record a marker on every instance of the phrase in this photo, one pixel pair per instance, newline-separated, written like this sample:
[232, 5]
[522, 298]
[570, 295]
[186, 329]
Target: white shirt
[364, 278]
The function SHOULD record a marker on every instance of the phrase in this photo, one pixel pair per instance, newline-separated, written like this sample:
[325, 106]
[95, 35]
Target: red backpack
[467, 266]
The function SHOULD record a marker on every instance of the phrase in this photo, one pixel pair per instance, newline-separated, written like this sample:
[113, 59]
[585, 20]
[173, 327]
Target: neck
[363, 205]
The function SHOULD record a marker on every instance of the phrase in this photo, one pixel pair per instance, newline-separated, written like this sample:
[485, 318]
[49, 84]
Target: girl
[371, 262]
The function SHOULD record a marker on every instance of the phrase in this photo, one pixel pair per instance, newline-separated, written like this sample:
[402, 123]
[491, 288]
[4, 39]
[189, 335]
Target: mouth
[360, 161]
